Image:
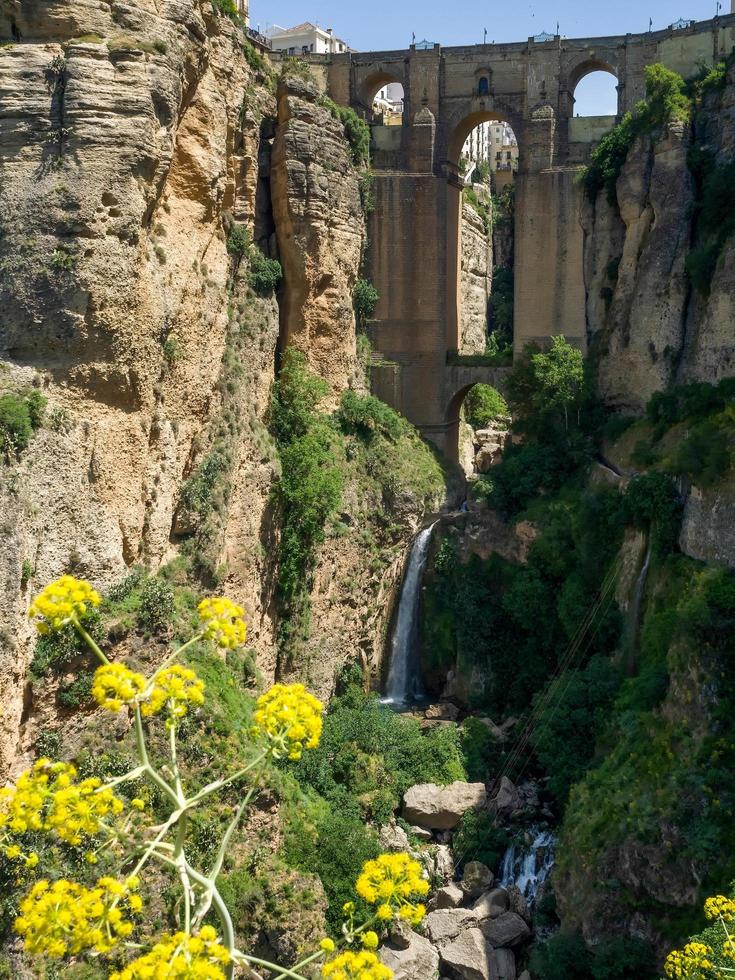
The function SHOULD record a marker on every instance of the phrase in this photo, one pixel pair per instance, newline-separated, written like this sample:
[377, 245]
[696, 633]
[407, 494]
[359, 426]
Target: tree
[559, 374]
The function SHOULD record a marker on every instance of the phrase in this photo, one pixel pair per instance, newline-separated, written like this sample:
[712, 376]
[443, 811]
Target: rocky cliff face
[132, 141]
[647, 325]
[127, 143]
[476, 278]
[321, 231]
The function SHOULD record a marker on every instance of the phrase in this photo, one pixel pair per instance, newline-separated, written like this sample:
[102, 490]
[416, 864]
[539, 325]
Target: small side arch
[373, 83]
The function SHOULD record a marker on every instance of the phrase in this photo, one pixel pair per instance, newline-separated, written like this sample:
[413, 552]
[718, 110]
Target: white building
[492, 142]
[305, 38]
[388, 103]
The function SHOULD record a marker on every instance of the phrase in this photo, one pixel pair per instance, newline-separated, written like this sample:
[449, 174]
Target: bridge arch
[459, 382]
[371, 84]
[583, 70]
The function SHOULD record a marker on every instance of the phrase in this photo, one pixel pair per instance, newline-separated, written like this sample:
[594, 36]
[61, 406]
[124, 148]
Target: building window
[484, 86]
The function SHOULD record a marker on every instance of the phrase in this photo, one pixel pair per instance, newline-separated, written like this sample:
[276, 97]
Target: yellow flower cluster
[65, 918]
[62, 601]
[223, 622]
[291, 719]
[115, 685]
[392, 882]
[180, 957]
[691, 963]
[356, 966]
[174, 689]
[720, 907]
[48, 797]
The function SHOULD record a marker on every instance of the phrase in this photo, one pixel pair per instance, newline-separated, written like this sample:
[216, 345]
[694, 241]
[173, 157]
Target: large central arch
[461, 129]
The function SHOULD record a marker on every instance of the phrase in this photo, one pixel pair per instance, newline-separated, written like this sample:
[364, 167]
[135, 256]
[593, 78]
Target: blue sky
[380, 26]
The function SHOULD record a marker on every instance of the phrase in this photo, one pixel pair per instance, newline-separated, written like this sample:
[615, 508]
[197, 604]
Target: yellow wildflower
[720, 907]
[223, 622]
[327, 945]
[174, 689]
[691, 963]
[370, 940]
[356, 966]
[115, 685]
[65, 918]
[180, 957]
[49, 797]
[62, 602]
[291, 719]
[393, 882]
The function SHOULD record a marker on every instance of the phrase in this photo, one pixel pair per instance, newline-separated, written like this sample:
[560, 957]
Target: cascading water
[634, 619]
[404, 678]
[529, 867]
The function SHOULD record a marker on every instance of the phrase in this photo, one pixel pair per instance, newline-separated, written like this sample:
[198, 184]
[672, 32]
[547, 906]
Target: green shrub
[239, 241]
[265, 274]
[484, 405]
[366, 415]
[48, 744]
[470, 196]
[714, 216]
[365, 300]
[296, 395]
[367, 191]
[227, 8]
[54, 652]
[478, 839]
[77, 693]
[156, 609]
[20, 416]
[652, 500]
[500, 315]
[563, 957]
[357, 131]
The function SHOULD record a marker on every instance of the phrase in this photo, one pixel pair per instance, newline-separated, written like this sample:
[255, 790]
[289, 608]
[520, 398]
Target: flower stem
[89, 641]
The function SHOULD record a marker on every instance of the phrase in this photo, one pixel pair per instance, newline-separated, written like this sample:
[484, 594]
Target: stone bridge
[414, 257]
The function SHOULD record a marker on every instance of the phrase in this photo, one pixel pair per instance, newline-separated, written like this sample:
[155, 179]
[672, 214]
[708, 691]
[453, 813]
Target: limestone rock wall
[646, 325]
[128, 136]
[476, 279]
[321, 231]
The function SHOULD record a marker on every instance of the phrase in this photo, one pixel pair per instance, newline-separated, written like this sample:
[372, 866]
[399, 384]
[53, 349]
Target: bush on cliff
[20, 416]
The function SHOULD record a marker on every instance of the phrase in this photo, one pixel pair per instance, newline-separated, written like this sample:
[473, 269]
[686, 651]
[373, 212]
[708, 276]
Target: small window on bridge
[596, 95]
[484, 87]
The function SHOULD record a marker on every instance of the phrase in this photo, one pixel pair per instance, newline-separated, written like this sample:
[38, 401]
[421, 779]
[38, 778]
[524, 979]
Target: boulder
[476, 879]
[507, 800]
[518, 903]
[448, 897]
[525, 975]
[445, 924]
[504, 965]
[439, 862]
[492, 904]
[417, 961]
[444, 711]
[422, 833]
[469, 956]
[506, 930]
[441, 807]
[393, 838]
[401, 934]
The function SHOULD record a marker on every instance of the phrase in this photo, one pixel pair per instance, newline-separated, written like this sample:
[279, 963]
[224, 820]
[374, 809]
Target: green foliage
[156, 609]
[689, 403]
[365, 415]
[365, 299]
[357, 131]
[484, 405]
[54, 652]
[714, 217]
[226, 8]
[566, 957]
[500, 315]
[309, 490]
[239, 241]
[78, 692]
[470, 196]
[20, 416]
[367, 191]
[481, 173]
[666, 100]
[564, 737]
[369, 756]
[652, 500]
[265, 274]
[478, 839]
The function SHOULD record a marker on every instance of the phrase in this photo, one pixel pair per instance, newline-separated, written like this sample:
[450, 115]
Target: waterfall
[404, 679]
[529, 867]
[634, 620]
